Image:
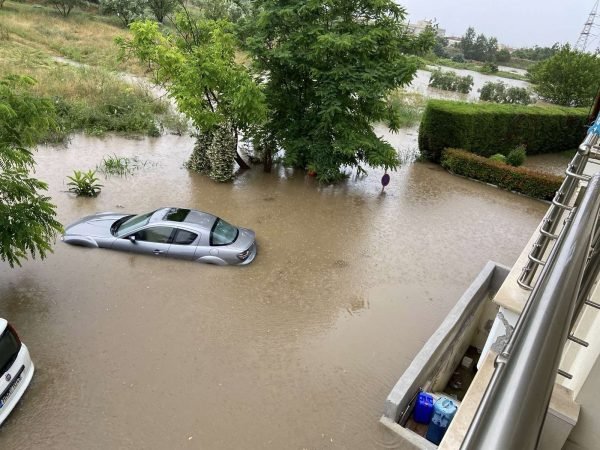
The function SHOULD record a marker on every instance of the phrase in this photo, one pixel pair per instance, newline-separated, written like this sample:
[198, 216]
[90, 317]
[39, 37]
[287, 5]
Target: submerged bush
[516, 157]
[500, 93]
[409, 107]
[450, 81]
[120, 165]
[498, 157]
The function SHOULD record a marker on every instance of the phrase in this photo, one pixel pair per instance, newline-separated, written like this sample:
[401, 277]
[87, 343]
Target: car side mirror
[131, 238]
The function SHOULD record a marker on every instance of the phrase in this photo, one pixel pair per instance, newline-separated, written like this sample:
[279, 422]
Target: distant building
[453, 40]
[420, 25]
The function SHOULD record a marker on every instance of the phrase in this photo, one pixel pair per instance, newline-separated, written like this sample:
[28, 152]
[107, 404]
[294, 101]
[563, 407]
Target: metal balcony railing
[513, 409]
[549, 230]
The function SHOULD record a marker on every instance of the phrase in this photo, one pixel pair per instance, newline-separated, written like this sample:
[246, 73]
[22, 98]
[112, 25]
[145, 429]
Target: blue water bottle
[443, 413]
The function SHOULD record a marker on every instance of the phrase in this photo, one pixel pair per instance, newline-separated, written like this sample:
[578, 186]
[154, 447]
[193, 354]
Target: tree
[439, 49]
[569, 78]
[64, 7]
[232, 10]
[161, 8]
[327, 71]
[197, 67]
[491, 49]
[126, 10]
[503, 55]
[536, 53]
[421, 43]
[480, 48]
[27, 218]
[467, 43]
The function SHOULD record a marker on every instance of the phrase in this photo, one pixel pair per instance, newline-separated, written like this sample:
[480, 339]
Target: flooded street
[297, 350]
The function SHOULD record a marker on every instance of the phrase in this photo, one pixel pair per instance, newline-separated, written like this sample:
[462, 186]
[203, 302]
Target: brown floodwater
[297, 350]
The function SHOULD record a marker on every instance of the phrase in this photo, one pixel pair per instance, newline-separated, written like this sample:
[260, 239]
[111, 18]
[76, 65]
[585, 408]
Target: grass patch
[83, 37]
[92, 100]
[410, 106]
[120, 165]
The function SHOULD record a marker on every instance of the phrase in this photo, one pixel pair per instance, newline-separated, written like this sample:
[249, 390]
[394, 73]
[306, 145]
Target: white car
[16, 369]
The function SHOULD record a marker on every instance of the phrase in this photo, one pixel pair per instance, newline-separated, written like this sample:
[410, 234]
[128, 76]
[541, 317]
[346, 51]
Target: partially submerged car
[174, 232]
[16, 369]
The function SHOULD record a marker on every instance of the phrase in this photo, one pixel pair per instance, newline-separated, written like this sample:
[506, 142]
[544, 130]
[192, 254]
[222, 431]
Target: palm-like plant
[84, 183]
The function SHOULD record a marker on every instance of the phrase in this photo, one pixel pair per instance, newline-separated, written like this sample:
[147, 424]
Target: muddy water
[297, 350]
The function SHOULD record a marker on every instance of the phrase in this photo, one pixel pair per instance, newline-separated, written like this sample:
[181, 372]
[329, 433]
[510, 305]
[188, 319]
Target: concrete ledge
[411, 440]
[441, 348]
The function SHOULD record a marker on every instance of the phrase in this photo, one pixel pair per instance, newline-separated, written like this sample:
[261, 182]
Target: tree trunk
[238, 158]
[268, 162]
[240, 161]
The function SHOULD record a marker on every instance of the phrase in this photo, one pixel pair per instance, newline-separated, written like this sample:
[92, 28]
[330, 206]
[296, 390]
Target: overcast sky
[516, 23]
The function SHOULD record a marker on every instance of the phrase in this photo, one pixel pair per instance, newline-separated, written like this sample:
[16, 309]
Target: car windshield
[223, 233]
[9, 348]
[132, 223]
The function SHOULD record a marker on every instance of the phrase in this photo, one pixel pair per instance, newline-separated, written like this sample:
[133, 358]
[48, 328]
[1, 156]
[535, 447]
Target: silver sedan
[174, 232]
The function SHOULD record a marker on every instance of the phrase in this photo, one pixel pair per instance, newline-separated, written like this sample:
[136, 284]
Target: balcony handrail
[513, 409]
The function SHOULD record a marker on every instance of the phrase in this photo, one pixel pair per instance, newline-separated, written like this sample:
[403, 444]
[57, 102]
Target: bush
[516, 157]
[498, 157]
[499, 93]
[487, 128]
[518, 179]
[459, 58]
[489, 68]
[450, 81]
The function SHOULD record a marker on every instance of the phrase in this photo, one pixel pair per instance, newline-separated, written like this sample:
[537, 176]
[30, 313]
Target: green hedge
[487, 129]
[518, 179]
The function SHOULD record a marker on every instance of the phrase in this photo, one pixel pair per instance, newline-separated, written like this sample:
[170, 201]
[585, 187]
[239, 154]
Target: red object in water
[385, 179]
[312, 173]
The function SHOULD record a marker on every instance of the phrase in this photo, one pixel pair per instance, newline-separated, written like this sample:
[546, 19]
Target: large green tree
[126, 10]
[569, 77]
[27, 218]
[328, 68]
[161, 8]
[196, 64]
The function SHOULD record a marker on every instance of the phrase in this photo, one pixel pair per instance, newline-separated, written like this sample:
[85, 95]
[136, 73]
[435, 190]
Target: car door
[184, 243]
[152, 240]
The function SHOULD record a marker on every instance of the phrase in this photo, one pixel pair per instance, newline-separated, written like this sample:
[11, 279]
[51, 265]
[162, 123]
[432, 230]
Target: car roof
[184, 216]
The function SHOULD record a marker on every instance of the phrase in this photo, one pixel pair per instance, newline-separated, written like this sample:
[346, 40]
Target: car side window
[184, 237]
[159, 235]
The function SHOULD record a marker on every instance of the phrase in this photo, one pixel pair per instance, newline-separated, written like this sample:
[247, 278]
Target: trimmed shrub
[487, 128]
[518, 179]
[498, 157]
[516, 157]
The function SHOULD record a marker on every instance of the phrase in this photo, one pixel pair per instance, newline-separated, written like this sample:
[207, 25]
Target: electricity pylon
[590, 30]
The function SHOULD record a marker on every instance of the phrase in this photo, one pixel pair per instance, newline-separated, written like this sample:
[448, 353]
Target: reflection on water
[297, 350]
